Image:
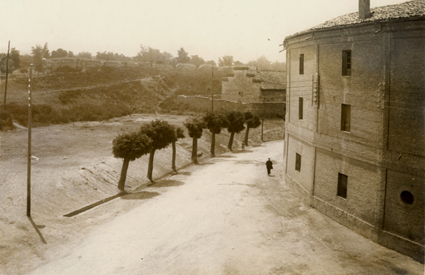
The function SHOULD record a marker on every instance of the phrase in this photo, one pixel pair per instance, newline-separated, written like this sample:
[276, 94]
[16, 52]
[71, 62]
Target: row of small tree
[159, 134]
[156, 135]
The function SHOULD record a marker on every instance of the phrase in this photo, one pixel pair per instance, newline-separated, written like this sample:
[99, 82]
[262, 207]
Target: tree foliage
[148, 54]
[226, 60]
[182, 56]
[85, 55]
[252, 121]
[235, 121]
[214, 123]
[129, 146]
[110, 56]
[162, 134]
[59, 53]
[165, 58]
[195, 127]
[196, 60]
[38, 53]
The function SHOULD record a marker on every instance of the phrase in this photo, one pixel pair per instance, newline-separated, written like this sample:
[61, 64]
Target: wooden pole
[212, 93]
[29, 146]
[7, 75]
[262, 123]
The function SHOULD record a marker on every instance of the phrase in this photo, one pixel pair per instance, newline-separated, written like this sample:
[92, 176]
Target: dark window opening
[345, 117]
[300, 108]
[297, 162]
[302, 63]
[342, 185]
[346, 62]
[407, 197]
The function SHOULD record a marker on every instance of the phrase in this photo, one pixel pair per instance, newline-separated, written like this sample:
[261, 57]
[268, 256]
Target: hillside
[100, 94]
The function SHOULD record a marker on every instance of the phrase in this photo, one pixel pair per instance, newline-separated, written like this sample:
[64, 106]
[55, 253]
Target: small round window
[406, 197]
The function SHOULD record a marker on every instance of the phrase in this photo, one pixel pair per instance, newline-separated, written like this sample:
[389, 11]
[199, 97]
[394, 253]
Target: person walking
[269, 165]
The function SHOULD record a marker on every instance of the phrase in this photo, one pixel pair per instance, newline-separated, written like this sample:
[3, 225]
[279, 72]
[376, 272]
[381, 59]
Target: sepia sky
[245, 29]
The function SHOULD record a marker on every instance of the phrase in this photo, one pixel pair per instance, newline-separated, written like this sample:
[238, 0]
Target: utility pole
[212, 92]
[7, 74]
[29, 145]
[262, 123]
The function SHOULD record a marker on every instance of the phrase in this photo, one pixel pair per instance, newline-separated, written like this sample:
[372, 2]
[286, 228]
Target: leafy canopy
[131, 145]
[236, 121]
[252, 121]
[160, 132]
[194, 126]
[215, 122]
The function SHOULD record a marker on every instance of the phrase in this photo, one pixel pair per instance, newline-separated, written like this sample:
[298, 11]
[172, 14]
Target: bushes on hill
[6, 122]
[91, 104]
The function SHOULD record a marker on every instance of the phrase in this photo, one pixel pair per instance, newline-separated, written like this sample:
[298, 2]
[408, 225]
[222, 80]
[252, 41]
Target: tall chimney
[364, 9]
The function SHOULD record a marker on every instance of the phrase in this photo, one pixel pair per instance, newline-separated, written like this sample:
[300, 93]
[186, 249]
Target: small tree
[194, 127]
[179, 133]
[182, 56]
[227, 60]
[162, 134]
[129, 146]
[236, 120]
[214, 123]
[252, 121]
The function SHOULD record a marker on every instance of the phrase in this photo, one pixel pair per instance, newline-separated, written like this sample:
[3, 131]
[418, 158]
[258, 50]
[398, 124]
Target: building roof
[410, 9]
[271, 80]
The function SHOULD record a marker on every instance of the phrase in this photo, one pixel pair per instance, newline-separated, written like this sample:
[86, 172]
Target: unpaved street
[224, 216]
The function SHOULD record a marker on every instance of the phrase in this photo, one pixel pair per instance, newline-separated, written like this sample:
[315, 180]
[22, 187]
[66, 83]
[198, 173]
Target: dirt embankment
[75, 168]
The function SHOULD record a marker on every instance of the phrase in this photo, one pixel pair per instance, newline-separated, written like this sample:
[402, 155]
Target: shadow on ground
[166, 183]
[242, 151]
[140, 196]
[36, 227]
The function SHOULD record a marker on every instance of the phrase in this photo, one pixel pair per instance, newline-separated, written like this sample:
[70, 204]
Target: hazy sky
[246, 29]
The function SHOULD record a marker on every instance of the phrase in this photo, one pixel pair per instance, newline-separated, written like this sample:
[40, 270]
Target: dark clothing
[269, 166]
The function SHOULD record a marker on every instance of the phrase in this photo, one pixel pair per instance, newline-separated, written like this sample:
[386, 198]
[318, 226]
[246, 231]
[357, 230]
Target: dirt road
[224, 216]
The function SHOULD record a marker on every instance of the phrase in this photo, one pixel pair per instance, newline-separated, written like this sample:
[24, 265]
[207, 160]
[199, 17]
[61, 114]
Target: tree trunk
[246, 135]
[232, 134]
[150, 167]
[195, 150]
[173, 161]
[123, 176]
[213, 144]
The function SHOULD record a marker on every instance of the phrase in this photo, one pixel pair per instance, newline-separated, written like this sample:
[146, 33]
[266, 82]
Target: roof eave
[391, 20]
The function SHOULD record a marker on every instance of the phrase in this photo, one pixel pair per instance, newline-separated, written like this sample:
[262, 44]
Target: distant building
[355, 122]
[264, 91]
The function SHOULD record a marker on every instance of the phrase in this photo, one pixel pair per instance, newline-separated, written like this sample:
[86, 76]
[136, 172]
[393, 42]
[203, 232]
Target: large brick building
[355, 121]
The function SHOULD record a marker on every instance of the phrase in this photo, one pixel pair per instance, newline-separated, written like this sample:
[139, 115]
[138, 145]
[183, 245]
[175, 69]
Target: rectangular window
[302, 63]
[300, 108]
[345, 117]
[342, 185]
[298, 162]
[346, 62]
